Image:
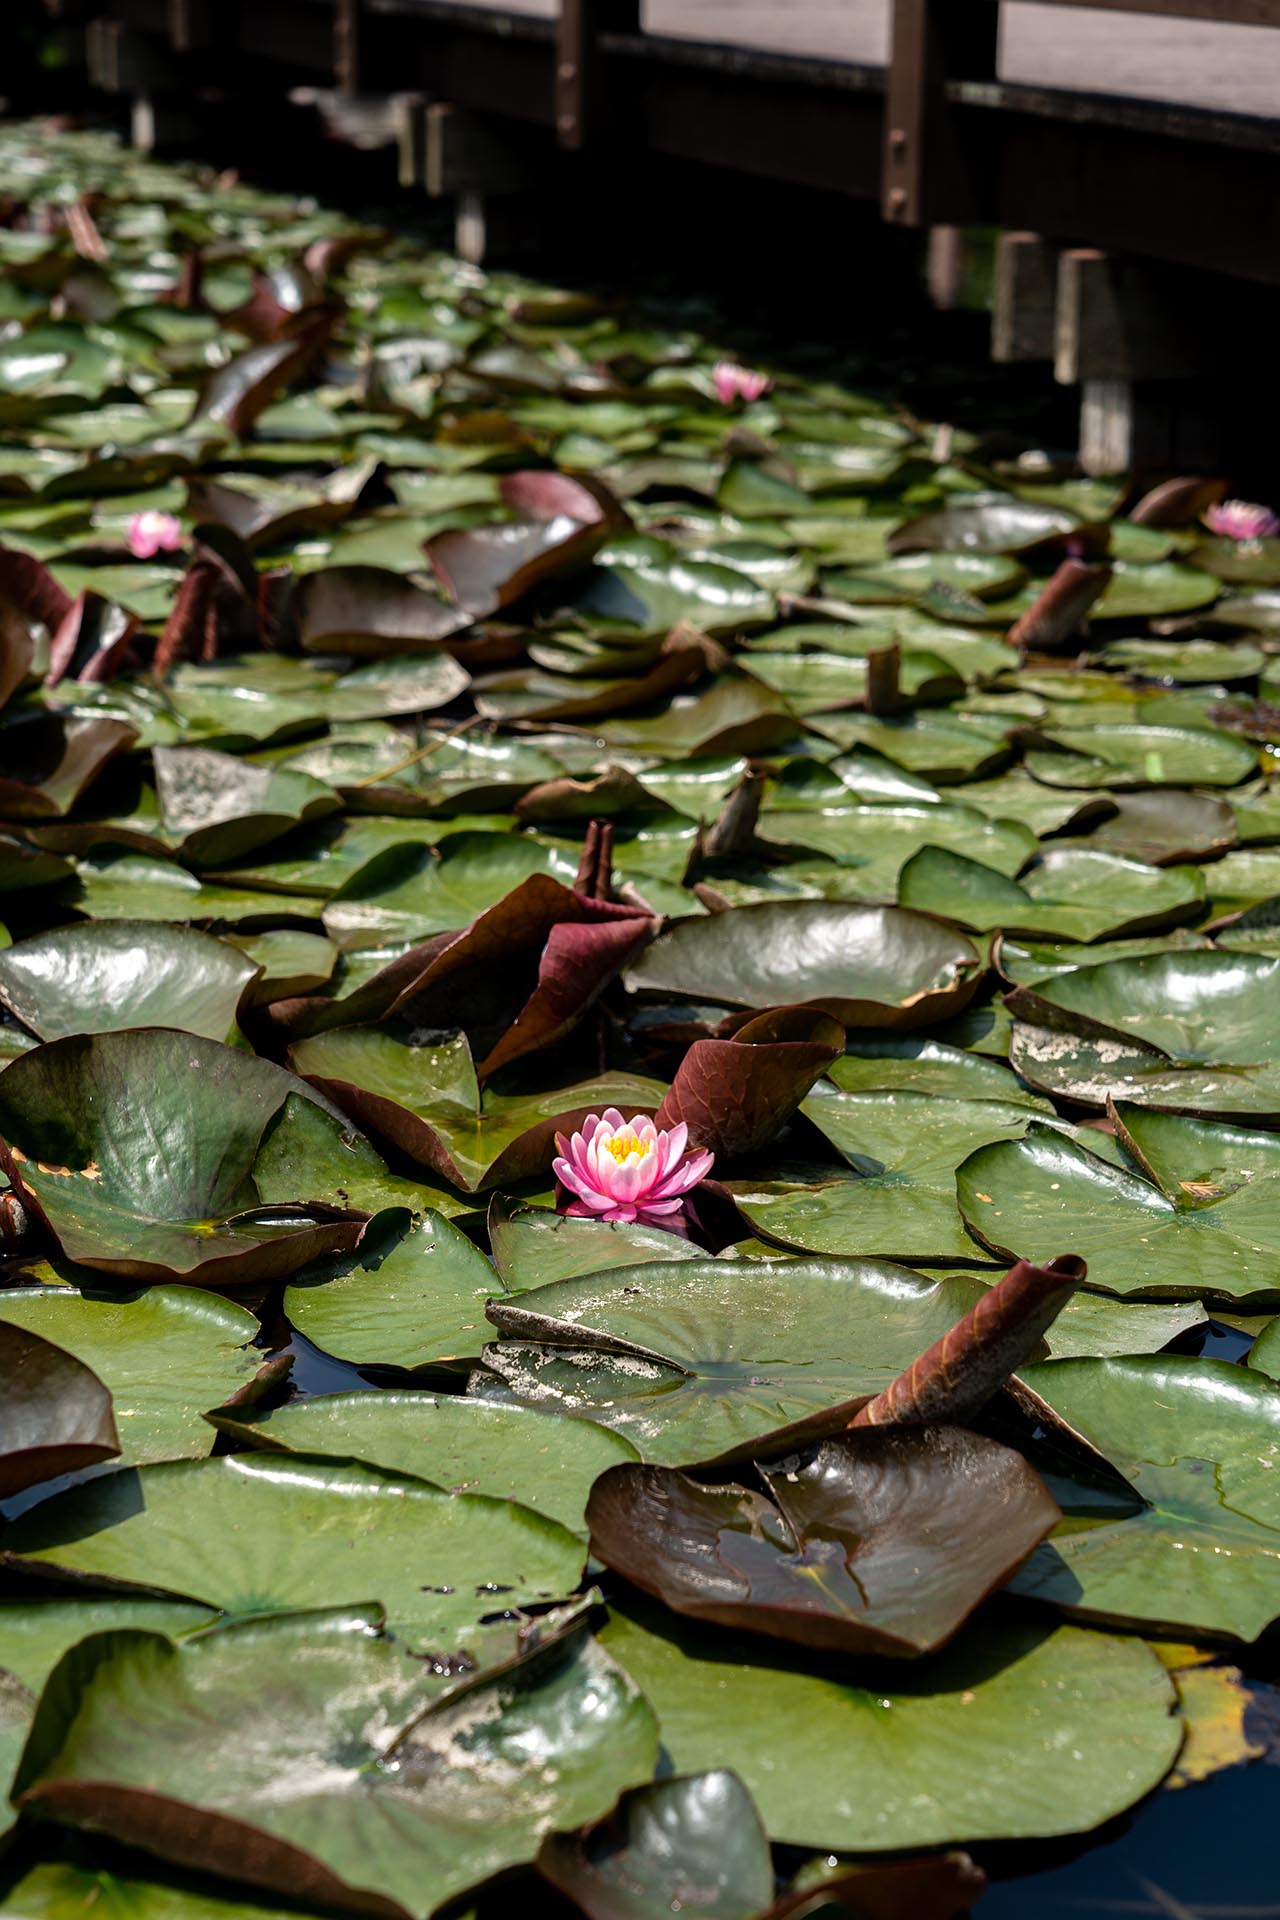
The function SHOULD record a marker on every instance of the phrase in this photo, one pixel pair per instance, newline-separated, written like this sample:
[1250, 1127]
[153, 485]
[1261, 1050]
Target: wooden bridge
[1112, 146]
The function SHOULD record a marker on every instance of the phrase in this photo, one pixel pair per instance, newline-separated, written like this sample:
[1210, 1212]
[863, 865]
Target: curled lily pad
[51, 759]
[736, 1094]
[694, 1842]
[56, 1413]
[137, 1151]
[880, 1544]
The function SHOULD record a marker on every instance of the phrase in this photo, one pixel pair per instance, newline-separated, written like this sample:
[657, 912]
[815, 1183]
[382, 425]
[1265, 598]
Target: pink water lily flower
[1242, 520]
[629, 1169]
[738, 383]
[153, 532]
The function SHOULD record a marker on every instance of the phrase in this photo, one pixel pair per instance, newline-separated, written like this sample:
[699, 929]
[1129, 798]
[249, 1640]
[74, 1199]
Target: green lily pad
[1069, 894]
[38, 1631]
[253, 1533]
[1189, 1029]
[390, 1793]
[867, 966]
[1148, 592]
[1196, 1550]
[411, 1296]
[1015, 1731]
[704, 1359]
[1141, 755]
[509, 1453]
[1206, 1224]
[411, 892]
[137, 1149]
[899, 1200]
[164, 1356]
[89, 978]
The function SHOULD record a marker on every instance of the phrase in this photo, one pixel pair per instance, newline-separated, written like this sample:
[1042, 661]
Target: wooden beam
[459, 152]
[121, 61]
[1121, 319]
[1024, 298]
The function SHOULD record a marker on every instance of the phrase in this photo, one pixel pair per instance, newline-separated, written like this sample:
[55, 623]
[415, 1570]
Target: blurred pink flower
[629, 1169]
[738, 383]
[1242, 520]
[153, 532]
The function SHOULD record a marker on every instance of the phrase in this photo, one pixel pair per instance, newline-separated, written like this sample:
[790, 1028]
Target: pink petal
[578, 1183]
[681, 1178]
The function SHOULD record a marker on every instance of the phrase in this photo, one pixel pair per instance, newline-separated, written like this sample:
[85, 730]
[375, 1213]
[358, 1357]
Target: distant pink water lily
[1242, 520]
[629, 1169]
[153, 532]
[738, 383]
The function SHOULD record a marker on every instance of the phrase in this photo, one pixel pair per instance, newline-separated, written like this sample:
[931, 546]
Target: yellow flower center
[623, 1144]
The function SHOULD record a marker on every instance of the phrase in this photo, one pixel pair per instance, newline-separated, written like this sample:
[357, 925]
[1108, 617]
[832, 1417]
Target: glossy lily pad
[1193, 1548]
[703, 1360]
[259, 1533]
[980, 1741]
[393, 1794]
[866, 966]
[137, 1148]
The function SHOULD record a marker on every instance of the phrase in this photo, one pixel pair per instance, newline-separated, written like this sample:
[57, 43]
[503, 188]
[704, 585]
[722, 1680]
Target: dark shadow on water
[1201, 1851]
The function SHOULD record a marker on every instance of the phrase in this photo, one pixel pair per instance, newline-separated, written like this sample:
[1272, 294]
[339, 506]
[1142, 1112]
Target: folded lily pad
[425, 1101]
[879, 1545]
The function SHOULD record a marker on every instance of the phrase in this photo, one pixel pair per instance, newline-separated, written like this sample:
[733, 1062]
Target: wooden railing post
[346, 45]
[581, 106]
[927, 173]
